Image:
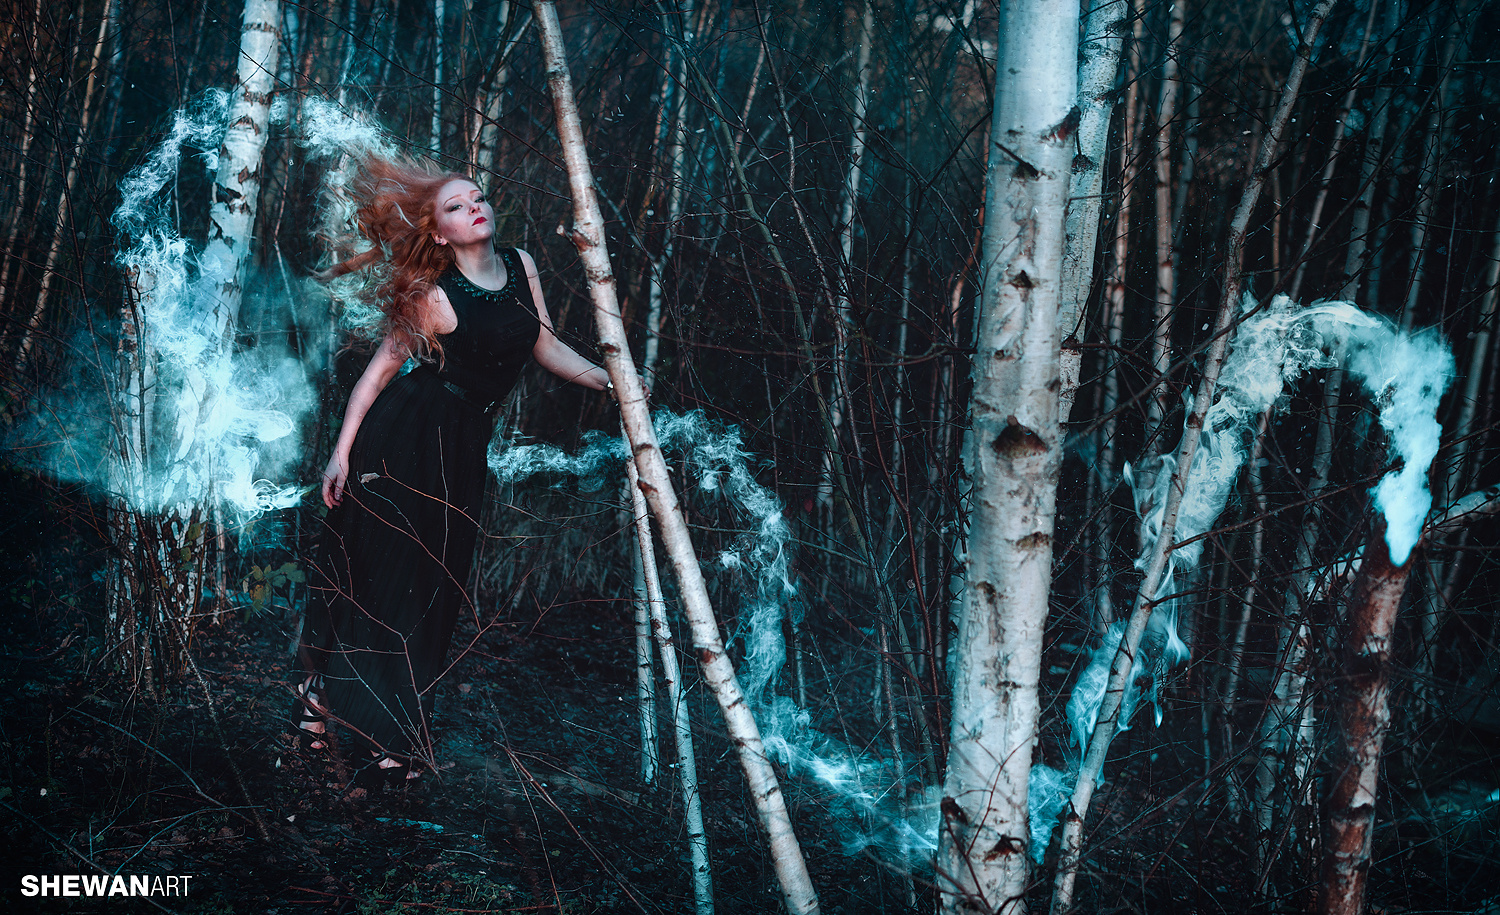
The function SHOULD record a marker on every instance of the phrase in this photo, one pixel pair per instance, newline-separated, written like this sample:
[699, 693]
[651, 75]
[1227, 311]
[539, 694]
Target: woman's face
[464, 217]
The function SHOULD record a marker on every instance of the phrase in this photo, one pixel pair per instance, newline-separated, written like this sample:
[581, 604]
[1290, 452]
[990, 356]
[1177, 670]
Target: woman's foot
[308, 711]
[386, 772]
[398, 770]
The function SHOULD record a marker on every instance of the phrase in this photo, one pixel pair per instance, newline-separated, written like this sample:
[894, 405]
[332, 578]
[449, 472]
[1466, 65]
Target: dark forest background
[833, 325]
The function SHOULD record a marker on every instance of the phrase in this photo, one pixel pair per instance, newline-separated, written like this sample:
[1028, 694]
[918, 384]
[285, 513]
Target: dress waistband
[477, 401]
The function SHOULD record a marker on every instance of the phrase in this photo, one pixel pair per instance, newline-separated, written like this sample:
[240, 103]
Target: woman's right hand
[334, 478]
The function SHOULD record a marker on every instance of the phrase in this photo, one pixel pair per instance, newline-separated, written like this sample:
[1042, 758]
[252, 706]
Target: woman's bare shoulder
[441, 317]
[526, 262]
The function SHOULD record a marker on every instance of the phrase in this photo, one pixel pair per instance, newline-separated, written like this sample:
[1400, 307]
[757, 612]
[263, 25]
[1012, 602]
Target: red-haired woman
[405, 479]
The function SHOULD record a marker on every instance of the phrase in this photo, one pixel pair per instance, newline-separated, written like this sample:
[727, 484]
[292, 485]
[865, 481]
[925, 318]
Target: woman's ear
[438, 239]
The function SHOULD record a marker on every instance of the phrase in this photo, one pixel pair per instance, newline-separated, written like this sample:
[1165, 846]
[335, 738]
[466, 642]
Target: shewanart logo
[104, 885]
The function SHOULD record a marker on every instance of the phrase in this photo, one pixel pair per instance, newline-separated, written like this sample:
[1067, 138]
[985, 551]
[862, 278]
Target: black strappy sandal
[307, 711]
[387, 772]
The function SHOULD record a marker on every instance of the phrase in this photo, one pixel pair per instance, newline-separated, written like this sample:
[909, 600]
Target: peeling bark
[1364, 717]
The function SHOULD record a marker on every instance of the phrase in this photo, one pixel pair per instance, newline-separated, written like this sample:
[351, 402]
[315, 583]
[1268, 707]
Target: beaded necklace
[479, 292]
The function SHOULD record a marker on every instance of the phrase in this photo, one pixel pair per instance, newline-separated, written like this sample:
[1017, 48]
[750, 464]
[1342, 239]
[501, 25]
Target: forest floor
[539, 806]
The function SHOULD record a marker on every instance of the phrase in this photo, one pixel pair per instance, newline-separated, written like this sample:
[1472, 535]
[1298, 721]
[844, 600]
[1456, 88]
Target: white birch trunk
[237, 186]
[1013, 462]
[848, 204]
[170, 551]
[682, 726]
[1166, 285]
[1114, 693]
[718, 671]
[1100, 52]
[1364, 717]
[676, 80]
[645, 672]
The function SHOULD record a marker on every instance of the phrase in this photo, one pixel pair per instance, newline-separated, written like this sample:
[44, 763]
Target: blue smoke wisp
[867, 792]
[223, 420]
[1405, 376]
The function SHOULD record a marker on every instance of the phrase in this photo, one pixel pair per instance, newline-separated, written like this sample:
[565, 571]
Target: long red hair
[396, 212]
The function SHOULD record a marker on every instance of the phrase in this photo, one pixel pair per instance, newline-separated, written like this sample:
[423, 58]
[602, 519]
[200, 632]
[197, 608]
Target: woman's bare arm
[383, 366]
[551, 353]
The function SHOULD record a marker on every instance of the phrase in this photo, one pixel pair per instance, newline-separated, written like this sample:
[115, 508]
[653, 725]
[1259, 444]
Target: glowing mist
[867, 794]
[201, 419]
[1405, 376]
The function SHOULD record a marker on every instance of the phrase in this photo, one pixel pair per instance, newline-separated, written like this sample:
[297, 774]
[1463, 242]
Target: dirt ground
[539, 806]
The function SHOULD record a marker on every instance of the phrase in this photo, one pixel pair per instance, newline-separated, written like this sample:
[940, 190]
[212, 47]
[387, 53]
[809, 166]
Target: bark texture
[1364, 712]
[1013, 460]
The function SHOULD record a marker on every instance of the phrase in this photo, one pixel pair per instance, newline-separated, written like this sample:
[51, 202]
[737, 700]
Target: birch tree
[238, 181]
[673, 86]
[162, 558]
[718, 670]
[1364, 713]
[1013, 461]
[61, 220]
[1166, 285]
[1103, 34]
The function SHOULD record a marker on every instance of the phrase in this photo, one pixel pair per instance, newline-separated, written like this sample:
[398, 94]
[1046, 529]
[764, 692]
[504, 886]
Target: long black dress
[400, 546]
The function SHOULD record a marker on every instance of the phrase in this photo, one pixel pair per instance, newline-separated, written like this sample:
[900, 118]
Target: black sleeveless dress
[391, 577]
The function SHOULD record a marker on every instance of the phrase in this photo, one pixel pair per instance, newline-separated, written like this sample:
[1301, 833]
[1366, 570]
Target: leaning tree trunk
[1013, 460]
[718, 670]
[1114, 694]
[1364, 717]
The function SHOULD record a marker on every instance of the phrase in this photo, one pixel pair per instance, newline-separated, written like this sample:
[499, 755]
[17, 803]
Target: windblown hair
[396, 213]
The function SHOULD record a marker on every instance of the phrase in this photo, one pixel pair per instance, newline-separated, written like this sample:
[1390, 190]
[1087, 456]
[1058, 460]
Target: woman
[405, 479]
